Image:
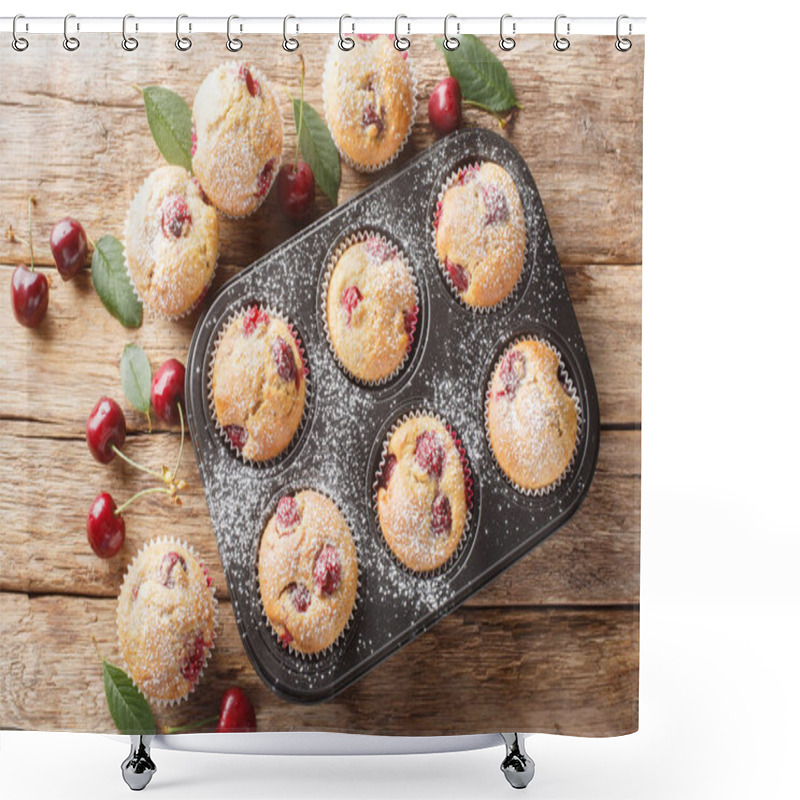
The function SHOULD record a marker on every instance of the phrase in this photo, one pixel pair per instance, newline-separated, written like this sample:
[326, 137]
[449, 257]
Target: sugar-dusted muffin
[307, 572]
[480, 234]
[237, 138]
[165, 620]
[532, 421]
[258, 384]
[370, 101]
[371, 309]
[171, 242]
[422, 494]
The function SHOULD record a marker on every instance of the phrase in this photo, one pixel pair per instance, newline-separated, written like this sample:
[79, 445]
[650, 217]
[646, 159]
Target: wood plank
[607, 299]
[580, 131]
[594, 559]
[51, 676]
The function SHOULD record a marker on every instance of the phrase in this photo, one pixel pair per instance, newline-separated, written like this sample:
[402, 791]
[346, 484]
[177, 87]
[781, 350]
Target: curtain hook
[451, 42]
[561, 43]
[183, 43]
[623, 45]
[289, 45]
[19, 43]
[401, 43]
[507, 42]
[234, 45]
[129, 43]
[342, 39]
[71, 43]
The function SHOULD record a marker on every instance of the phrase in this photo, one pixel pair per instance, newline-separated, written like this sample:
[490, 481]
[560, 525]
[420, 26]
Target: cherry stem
[180, 452]
[134, 464]
[300, 122]
[31, 201]
[153, 490]
[190, 726]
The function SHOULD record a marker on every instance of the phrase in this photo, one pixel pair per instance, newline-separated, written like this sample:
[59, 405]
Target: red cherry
[380, 250]
[388, 468]
[444, 107]
[68, 245]
[104, 428]
[458, 275]
[495, 203]
[175, 217]
[252, 84]
[287, 515]
[30, 292]
[167, 390]
[350, 298]
[327, 570]
[300, 597]
[105, 530]
[168, 565]
[296, 191]
[283, 357]
[237, 434]
[410, 319]
[195, 660]
[253, 318]
[236, 713]
[512, 371]
[265, 178]
[441, 516]
[429, 453]
[372, 117]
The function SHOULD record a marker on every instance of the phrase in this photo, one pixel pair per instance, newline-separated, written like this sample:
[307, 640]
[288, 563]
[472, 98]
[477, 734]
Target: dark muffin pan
[339, 445]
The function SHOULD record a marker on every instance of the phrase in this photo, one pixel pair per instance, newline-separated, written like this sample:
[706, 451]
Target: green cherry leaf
[318, 149]
[112, 283]
[127, 705]
[135, 372]
[170, 123]
[483, 79]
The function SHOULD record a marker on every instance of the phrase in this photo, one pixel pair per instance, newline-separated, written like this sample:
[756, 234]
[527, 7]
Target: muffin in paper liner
[527, 248]
[333, 53]
[571, 390]
[148, 644]
[290, 560]
[258, 79]
[381, 482]
[174, 261]
[411, 319]
[273, 314]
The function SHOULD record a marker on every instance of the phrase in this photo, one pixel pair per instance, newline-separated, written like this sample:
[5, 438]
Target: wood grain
[520, 668]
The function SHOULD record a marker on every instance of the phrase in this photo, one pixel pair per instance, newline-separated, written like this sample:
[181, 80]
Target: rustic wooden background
[552, 645]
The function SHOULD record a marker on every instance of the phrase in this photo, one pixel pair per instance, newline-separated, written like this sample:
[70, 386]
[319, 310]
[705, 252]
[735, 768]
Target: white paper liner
[273, 314]
[157, 313]
[527, 255]
[347, 242]
[181, 543]
[468, 491]
[340, 638]
[265, 85]
[570, 389]
[348, 160]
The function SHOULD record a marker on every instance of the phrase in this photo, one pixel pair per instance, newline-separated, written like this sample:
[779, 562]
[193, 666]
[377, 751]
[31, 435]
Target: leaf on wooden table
[318, 149]
[129, 709]
[136, 375]
[112, 283]
[170, 123]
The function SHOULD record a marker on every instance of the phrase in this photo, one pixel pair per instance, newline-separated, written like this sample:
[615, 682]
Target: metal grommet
[129, 43]
[19, 43]
[183, 43]
[450, 42]
[401, 43]
[342, 39]
[71, 43]
[289, 45]
[561, 43]
[234, 45]
[623, 45]
[507, 42]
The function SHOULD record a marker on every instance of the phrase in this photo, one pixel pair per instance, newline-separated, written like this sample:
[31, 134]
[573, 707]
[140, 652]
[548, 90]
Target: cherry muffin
[165, 620]
[258, 384]
[307, 572]
[171, 242]
[370, 101]
[532, 421]
[371, 308]
[423, 490]
[480, 234]
[237, 138]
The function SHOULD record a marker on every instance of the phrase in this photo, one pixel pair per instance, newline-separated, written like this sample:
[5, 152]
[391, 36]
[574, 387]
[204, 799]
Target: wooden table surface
[551, 645]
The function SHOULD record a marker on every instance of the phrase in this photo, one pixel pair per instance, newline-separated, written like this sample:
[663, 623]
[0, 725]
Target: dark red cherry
[237, 434]
[287, 515]
[283, 357]
[444, 107]
[296, 190]
[327, 570]
[236, 713]
[175, 217]
[104, 428]
[350, 298]
[30, 292]
[167, 391]
[429, 453]
[495, 203]
[252, 84]
[372, 117]
[512, 371]
[388, 468]
[441, 516]
[458, 275]
[105, 530]
[254, 316]
[265, 178]
[196, 659]
[168, 564]
[300, 597]
[69, 248]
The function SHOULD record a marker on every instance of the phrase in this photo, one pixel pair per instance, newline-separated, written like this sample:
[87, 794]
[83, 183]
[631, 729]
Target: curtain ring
[289, 45]
[183, 43]
[71, 43]
[234, 45]
[401, 43]
[623, 45]
[342, 39]
[561, 43]
[451, 42]
[129, 43]
[19, 43]
[507, 42]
